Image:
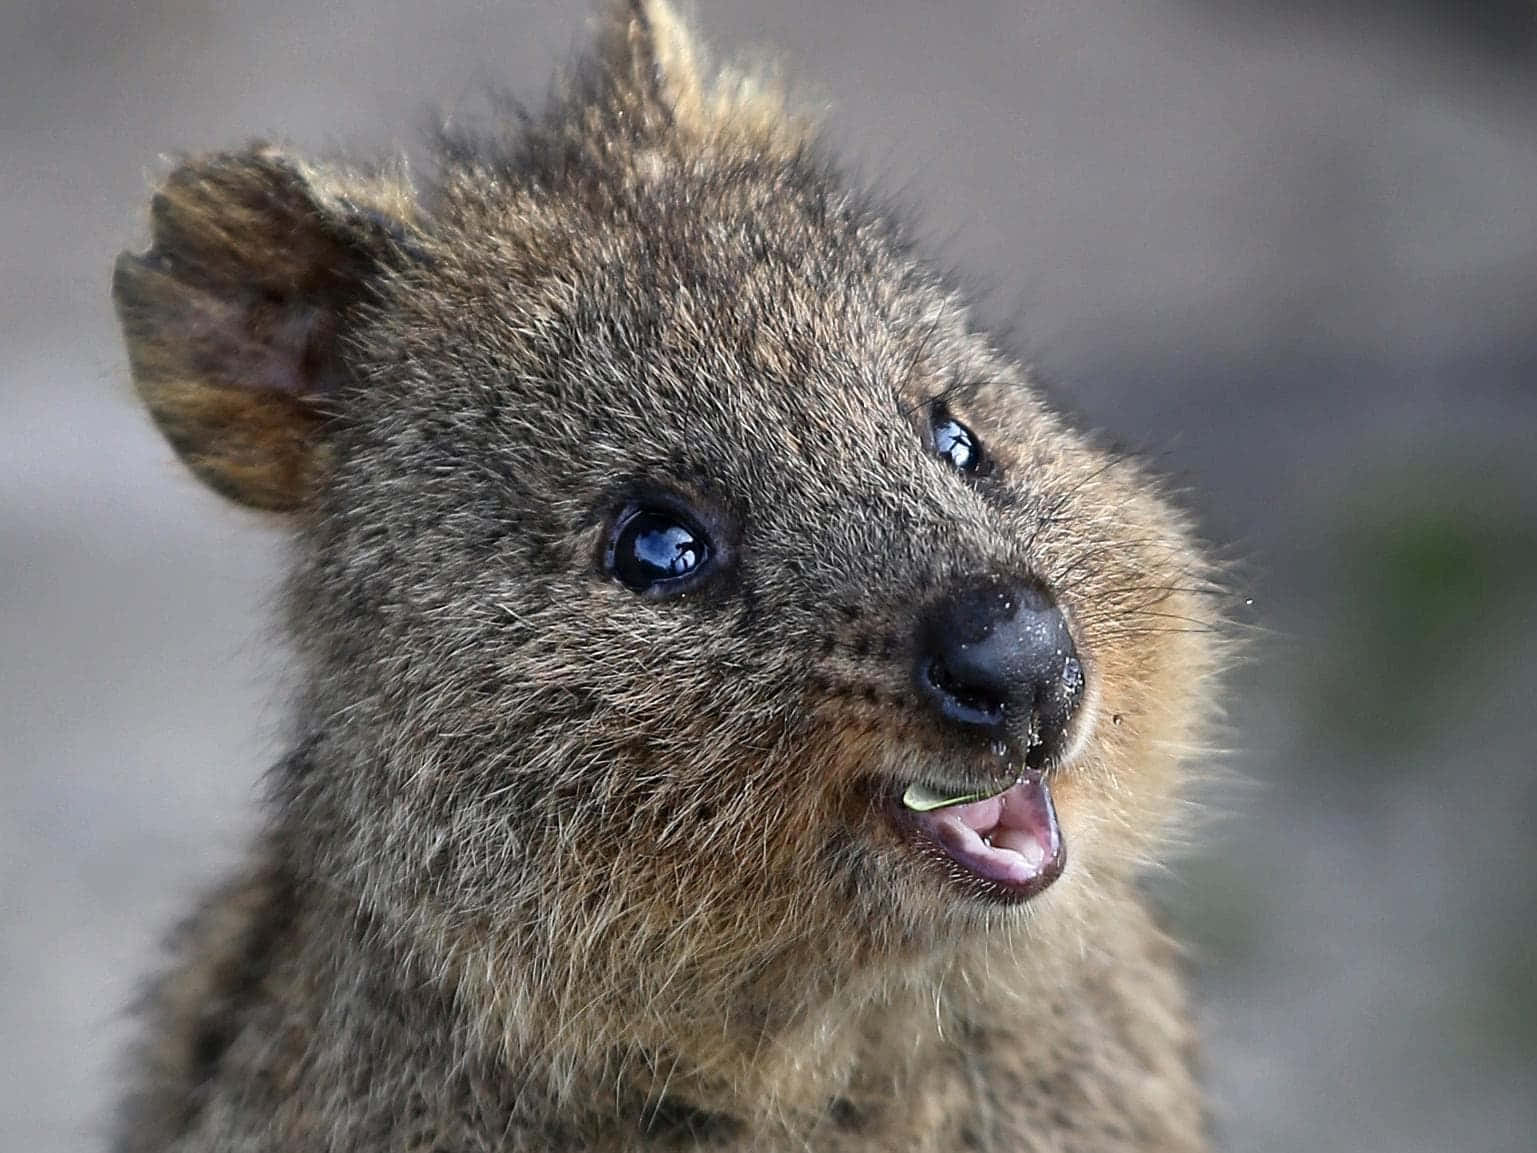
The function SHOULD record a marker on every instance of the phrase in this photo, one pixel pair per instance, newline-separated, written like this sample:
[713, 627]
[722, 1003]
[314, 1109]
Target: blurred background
[1289, 251]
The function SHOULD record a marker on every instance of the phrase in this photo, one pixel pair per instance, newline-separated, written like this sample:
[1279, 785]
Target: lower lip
[915, 832]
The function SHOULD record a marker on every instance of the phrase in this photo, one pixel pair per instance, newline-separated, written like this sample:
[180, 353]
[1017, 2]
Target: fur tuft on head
[657, 82]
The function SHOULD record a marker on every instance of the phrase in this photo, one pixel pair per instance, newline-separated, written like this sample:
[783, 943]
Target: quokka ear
[234, 316]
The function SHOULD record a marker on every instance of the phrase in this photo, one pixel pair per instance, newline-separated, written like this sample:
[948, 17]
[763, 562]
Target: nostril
[979, 706]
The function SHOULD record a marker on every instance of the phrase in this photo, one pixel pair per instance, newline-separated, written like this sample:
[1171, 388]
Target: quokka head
[690, 600]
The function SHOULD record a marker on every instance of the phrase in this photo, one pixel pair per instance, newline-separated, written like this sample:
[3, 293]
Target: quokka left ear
[234, 316]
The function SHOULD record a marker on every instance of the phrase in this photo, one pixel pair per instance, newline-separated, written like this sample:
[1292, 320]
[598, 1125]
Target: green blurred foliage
[1432, 573]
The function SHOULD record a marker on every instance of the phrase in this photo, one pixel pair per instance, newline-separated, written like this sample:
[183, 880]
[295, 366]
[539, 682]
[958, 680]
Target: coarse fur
[557, 866]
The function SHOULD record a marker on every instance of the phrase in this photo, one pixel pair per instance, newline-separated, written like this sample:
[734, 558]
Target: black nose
[995, 657]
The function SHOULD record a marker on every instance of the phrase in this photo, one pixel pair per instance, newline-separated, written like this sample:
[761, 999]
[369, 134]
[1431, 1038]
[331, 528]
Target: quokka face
[679, 575]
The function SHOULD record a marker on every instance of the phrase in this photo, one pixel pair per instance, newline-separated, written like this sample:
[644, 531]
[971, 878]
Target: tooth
[922, 799]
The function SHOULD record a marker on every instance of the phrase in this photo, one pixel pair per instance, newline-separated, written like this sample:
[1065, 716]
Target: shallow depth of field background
[1288, 250]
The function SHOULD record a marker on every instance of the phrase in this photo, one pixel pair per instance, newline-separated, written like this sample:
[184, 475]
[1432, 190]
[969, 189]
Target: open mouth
[1006, 845]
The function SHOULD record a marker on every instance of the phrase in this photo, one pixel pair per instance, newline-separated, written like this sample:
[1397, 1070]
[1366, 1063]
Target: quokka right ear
[234, 316]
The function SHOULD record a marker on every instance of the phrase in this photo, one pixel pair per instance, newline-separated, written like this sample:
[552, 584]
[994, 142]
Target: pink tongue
[1011, 838]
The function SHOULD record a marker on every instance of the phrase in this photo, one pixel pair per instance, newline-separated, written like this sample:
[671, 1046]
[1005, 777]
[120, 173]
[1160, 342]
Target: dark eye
[956, 443]
[656, 550]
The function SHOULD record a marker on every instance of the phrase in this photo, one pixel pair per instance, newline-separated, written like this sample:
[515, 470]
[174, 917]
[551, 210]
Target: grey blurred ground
[1292, 255]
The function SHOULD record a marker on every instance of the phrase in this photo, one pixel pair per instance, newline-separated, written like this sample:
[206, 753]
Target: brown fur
[558, 867]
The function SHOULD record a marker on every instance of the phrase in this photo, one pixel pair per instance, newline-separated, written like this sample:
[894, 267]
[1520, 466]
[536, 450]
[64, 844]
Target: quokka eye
[956, 443]
[657, 551]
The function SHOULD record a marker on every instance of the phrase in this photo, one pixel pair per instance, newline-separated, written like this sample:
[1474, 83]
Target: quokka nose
[995, 657]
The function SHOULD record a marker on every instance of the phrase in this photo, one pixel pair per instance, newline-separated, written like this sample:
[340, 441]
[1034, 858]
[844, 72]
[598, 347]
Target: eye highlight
[657, 551]
[956, 443]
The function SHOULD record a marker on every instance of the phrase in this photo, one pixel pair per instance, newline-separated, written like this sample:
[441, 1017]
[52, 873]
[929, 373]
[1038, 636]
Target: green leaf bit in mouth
[920, 798]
